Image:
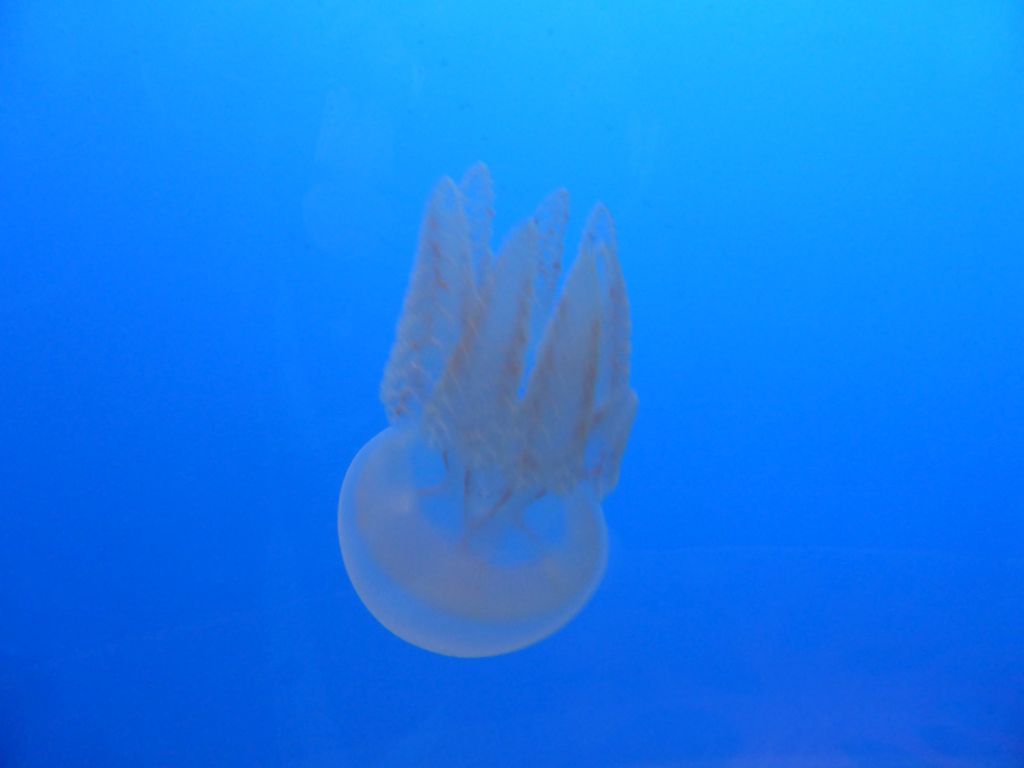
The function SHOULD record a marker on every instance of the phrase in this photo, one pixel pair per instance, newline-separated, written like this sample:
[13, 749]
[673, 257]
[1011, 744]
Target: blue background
[208, 212]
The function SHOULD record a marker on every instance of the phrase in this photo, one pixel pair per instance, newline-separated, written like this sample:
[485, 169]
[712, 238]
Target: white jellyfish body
[472, 525]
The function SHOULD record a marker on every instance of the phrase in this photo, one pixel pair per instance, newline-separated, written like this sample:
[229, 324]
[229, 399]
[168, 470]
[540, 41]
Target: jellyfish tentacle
[478, 201]
[551, 219]
[557, 407]
[615, 313]
[609, 435]
[474, 403]
[439, 289]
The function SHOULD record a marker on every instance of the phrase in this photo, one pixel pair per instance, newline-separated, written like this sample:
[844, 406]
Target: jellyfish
[472, 525]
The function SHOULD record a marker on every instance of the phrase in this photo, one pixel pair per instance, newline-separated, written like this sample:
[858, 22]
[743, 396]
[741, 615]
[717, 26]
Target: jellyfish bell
[472, 525]
[457, 590]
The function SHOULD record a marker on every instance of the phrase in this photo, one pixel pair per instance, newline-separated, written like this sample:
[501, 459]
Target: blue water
[208, 211]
